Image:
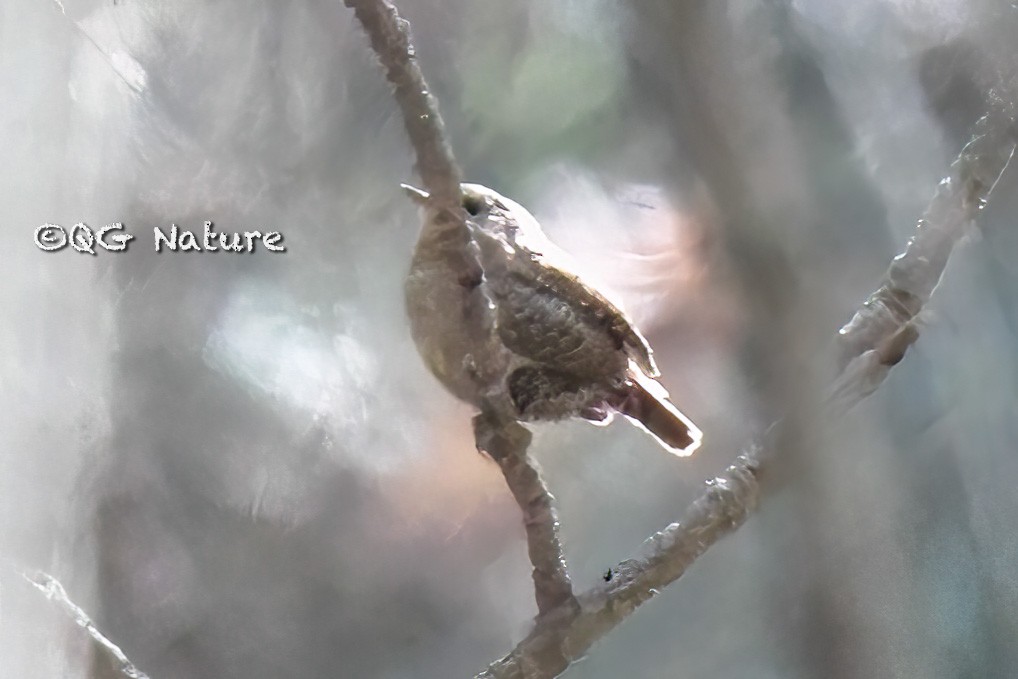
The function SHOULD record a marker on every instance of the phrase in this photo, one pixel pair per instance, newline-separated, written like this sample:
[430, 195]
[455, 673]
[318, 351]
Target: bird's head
[481, 202]
[490, 215]
[478, 201]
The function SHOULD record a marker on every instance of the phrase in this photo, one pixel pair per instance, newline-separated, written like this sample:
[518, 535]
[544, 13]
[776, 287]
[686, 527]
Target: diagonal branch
[506, 443]
[389, 34]
[882, 329]
[105, 649]
[874, 341]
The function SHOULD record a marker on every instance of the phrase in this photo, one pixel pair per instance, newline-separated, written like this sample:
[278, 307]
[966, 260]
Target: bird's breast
[452, 323]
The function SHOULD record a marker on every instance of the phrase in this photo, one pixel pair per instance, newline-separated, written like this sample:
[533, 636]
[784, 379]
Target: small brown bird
[502, 322]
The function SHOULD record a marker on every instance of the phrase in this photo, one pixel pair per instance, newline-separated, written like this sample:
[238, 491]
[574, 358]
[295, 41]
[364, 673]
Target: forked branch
[873, 342]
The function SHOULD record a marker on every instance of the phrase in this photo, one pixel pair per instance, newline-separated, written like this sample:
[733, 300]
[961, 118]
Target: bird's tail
[645, 402]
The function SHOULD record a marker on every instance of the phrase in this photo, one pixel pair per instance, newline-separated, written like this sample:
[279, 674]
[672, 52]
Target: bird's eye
[473, 205]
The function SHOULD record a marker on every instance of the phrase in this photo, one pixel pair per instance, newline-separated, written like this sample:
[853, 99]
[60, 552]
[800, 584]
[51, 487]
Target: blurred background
[239, 467]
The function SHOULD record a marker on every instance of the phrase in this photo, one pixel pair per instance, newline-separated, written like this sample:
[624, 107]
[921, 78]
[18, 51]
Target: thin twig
[54, 591]
[389, 34]
[506, 443]
[883, 328]
[874, 341]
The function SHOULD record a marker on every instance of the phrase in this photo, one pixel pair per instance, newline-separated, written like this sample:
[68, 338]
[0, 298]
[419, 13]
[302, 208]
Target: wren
[503, 323]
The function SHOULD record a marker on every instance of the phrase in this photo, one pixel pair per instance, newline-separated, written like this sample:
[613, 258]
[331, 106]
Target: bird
[501, 319]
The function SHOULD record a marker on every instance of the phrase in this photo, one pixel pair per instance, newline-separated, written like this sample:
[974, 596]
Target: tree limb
[565, 634]
[883, 328]
[506, 443]
[389, 34]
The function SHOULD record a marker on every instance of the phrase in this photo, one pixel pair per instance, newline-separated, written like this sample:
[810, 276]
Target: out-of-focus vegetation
[237, 464]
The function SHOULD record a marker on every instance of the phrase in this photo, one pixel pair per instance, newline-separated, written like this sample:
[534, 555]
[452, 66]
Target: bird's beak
[417, 195]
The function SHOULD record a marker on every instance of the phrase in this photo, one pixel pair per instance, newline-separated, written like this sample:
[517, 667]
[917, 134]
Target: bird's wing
[551, 316]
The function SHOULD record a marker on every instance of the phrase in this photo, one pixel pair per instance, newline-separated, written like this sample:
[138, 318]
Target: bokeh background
[238, 465]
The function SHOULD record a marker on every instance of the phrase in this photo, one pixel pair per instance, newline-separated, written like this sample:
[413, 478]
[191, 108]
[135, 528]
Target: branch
[566, 633]
[882, 329]
[506, 443]
[106, 649]
[389, 34]
[874, 340]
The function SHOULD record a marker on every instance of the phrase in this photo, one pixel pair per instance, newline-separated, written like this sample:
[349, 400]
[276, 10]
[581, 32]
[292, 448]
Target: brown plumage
[504, 324]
